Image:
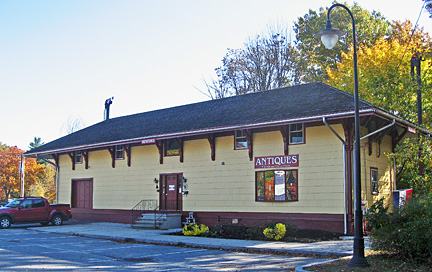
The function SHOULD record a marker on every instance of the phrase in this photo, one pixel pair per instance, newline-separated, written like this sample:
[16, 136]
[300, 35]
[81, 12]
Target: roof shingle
[305, 100]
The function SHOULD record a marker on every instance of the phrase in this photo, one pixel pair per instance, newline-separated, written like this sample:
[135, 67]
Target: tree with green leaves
[385, 73]
[36, 143]
[45, 186]
[370, 27]
[407, 161]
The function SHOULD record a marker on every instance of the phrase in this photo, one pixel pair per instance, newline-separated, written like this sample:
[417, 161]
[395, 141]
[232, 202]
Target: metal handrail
[142, 206]
[148, 206]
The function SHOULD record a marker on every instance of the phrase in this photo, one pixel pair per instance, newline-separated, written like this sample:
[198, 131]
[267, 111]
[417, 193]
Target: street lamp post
[330, 36]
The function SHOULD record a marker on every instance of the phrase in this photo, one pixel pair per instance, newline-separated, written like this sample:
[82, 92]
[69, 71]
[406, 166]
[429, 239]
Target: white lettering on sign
[171, 188]
[277, 161]
[148, 141]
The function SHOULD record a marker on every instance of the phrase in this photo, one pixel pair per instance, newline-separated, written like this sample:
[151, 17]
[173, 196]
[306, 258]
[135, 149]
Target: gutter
[403, 121]
[198, 132]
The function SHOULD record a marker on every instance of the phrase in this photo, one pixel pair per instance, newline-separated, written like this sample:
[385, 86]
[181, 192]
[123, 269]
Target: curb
[218, 247]
[301, 268]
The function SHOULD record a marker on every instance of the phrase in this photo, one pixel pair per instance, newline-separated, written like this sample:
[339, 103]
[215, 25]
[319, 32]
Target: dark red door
[170, 198]
[82, 194]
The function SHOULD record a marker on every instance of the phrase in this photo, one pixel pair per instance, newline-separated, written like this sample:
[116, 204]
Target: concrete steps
[163, 221]
[147, 221]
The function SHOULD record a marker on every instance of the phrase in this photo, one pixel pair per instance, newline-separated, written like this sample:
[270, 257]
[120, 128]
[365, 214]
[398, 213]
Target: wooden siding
[226, 184]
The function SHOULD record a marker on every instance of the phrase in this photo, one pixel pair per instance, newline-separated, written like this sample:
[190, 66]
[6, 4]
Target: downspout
[379, 130]
[344, 173]
[22, 176]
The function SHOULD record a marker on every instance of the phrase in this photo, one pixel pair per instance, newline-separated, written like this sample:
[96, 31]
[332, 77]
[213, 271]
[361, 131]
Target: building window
[78, 157]
[277, 185]
[119, 152]
[374, 181]
[296, 134]
[171, 148]
[240, 140]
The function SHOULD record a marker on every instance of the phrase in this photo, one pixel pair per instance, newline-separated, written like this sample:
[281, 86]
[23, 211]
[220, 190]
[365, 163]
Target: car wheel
[5, 222]
[57, 220]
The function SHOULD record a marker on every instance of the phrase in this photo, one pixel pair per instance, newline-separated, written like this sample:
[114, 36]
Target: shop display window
[277, 185]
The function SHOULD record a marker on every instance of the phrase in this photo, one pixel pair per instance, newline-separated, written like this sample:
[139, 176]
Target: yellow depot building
[281, 155]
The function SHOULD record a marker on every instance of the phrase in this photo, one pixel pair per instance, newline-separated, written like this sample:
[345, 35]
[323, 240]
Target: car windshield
[14, 203]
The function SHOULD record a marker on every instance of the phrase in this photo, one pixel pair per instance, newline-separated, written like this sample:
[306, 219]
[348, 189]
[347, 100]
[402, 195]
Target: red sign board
[277, 161]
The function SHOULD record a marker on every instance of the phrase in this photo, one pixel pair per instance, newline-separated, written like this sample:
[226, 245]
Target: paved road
[22, 249]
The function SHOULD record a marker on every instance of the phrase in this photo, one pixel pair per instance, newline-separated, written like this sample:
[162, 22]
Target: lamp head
[329, 36]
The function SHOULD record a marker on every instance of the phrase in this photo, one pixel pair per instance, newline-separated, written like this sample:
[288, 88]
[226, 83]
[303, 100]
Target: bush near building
[407, 233]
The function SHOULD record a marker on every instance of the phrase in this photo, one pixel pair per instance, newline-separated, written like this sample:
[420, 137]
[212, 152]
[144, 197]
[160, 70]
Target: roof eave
[223, 129]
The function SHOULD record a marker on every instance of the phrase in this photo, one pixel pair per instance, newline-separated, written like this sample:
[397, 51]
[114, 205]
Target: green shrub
[195, 229]
[277, 233]
[377, 215]
[408, 232]
[230, 231]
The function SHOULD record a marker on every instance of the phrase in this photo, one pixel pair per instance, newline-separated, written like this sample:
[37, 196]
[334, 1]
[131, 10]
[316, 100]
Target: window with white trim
[374, 181]
[240, 140]
[296, 134]
[119, 152]
[78, 157]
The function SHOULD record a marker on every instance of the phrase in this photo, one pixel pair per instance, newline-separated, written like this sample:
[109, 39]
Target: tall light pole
[329, 37]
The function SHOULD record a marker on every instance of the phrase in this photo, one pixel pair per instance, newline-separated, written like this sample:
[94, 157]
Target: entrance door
[171, 194]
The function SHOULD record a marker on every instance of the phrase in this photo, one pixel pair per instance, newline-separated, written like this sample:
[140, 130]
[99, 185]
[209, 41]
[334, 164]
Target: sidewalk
[118, 231]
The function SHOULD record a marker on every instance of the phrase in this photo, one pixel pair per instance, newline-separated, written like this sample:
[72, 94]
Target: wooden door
[171, 196]
[82, 194]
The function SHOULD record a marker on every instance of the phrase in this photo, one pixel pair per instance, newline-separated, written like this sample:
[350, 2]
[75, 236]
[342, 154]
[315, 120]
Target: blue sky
[60, 60]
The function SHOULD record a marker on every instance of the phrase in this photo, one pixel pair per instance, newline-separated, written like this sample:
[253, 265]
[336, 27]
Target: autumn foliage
[10, 180]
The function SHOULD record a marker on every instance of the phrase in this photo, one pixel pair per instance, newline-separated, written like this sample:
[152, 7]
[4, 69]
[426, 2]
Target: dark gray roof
[314, 99]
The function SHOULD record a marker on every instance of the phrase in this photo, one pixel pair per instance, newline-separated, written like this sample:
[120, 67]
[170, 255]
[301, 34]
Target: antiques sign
[277, 161]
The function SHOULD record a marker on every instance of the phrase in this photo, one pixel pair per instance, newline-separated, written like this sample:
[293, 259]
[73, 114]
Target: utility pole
[416, 77]
[415, 65]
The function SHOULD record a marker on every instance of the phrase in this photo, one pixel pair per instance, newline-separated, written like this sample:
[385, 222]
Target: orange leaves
[385, 72]
[10, 161]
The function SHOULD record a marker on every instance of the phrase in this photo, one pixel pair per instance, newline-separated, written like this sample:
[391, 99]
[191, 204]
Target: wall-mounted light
[156, 181]
[184, 179]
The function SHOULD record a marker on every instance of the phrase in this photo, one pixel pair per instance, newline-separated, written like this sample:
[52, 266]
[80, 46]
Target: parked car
[34, 210]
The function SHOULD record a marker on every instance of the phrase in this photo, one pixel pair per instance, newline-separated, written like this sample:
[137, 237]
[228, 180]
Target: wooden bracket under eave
[212, 141]
[378, 148]
[85, 155]
[111, 150]
[56, 158]
[180, 144]
[397, 138]
[159, 145]
[72, 157]
[249, 139]
[284, 131]
[128, 149]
